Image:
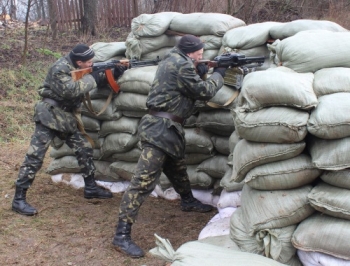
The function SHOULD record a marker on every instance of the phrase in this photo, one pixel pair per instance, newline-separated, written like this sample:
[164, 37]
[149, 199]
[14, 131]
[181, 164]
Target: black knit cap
[189, 44]
[81, 52]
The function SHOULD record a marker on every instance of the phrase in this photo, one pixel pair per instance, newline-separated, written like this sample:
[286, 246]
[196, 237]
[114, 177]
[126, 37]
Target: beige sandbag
[280, 86]
[106, 50]
[138, 80]
[331, 80]
[249, 36]
[272, 124]
[312, 50]
[204, 23]
[160, 53]
[122, 125]
[274, 243]
[286, 174]
[330, 120]
[329, 154]
[229, 185]
[293, 27]
[274, 209]
[325, 234]
[147, 25]
[211, 42]
[340, 178]
[331, 200]
[248, 154]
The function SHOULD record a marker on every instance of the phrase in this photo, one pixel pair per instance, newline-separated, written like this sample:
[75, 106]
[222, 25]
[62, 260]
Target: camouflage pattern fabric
[51, 121]
[39, 145]
[149, 167]
[175, 89]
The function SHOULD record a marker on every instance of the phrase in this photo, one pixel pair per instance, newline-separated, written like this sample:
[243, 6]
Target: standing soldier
[57, 115]
[171, 100]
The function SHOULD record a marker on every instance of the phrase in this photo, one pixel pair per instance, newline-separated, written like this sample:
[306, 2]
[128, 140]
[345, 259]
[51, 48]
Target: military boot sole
[25, 213]
[92, 196]
[195, 209]
[135, 256]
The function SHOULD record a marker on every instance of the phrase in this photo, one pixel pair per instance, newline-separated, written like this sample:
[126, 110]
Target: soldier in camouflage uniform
[56, 116]
[174, 91]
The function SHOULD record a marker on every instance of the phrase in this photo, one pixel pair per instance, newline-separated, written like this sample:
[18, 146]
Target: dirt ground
[71, 230]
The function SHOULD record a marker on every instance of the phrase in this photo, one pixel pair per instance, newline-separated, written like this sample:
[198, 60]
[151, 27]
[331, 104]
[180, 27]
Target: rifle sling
[88, 105]
[80, 125]
[229, 101]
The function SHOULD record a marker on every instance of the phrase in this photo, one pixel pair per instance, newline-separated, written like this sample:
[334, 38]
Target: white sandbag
[205, 23]
[122, 125]
[198, 141]
[229, 199]
[273, 243]
[274, 209]
[147, 25]
[330, 154]
[309, 258]
[340, 178]
[272, 124]
[218, 121]
[117, 143]
[325, 234]
[128, 101]
[138, 80]
[286, 174]
[229, 185]
[106, 50]
[211, 42]
[331, 80]
[111, 112]
[160, 53]
[197, 253]
[330, 120]
[168, 194]
[248, 36]
[205, 195]
[114, 187]
[216, 227]
[223, 241]
[312, 50]
[248, 154]
[331, 200]
[293, 27]
[216, 166]
[280, 86]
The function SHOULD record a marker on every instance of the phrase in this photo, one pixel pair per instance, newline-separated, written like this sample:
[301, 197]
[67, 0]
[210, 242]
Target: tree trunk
[89, 19]
[53, 17]
[25, 50]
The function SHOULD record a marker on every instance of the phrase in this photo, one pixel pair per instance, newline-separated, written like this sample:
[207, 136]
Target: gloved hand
[202, 69]
[96, 76]
[119, 70]
[220, 70]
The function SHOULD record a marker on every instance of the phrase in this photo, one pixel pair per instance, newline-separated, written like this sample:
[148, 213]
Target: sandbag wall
[294, 128]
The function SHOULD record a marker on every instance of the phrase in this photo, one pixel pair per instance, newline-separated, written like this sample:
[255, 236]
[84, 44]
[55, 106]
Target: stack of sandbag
[154, 35]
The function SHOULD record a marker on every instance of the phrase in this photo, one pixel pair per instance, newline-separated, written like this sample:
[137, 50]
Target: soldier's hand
[119, 70]
[202, 69]
[220, 70]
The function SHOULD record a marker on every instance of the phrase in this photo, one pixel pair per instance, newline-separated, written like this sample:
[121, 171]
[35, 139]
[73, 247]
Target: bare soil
[71, 230]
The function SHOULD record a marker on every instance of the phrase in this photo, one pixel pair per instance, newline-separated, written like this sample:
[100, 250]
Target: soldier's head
[81, 56]
[192, 46]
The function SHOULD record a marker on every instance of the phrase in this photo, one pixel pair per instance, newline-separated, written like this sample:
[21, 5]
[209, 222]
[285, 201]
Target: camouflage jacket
[60, 87]
[175, 89]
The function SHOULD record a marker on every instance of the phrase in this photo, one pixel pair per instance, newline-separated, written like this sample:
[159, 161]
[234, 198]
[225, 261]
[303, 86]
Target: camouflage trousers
[39, 145]
[148, 170]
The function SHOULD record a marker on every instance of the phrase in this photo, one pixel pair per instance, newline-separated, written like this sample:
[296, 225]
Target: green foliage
[46, 51]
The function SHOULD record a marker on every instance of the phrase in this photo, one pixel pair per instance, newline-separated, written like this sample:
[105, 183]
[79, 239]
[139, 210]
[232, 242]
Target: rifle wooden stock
[208, 63]
[79, 73]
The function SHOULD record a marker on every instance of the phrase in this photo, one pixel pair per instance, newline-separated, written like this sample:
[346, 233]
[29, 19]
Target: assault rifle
[231, 60]
[108, 66]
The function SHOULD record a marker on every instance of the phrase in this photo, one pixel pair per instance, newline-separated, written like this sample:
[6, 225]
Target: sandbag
[122, 125]
[229, 185]
[340, 178]
[204, 23]
[216, 166]
[331, 80]
[103, 172]
[117, 143]
[229, 199]
[111, 112]
[90, 123]
[330, 120]
[274, 209]
[329, 154]
[286, 174]
[278, 86]
[331, 200]
[199, 180]
[312, 50]
[128, 101]
[325, 234]
[248, 154]
[106, 50]
[197, 158]
[309, 258]
[249, 36]
[291, 28]
[198, 141]
[272, 124]
[132, 155]
[218, 121]
[221, 144]
[66, 164]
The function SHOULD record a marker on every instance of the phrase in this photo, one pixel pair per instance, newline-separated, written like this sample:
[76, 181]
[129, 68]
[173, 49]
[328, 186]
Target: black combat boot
[122, 241]
[92, 190]
[19, 203]
[191, 204]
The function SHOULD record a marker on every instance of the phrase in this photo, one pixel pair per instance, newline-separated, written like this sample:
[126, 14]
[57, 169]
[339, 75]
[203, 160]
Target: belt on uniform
[172, 117]
[57, 104]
